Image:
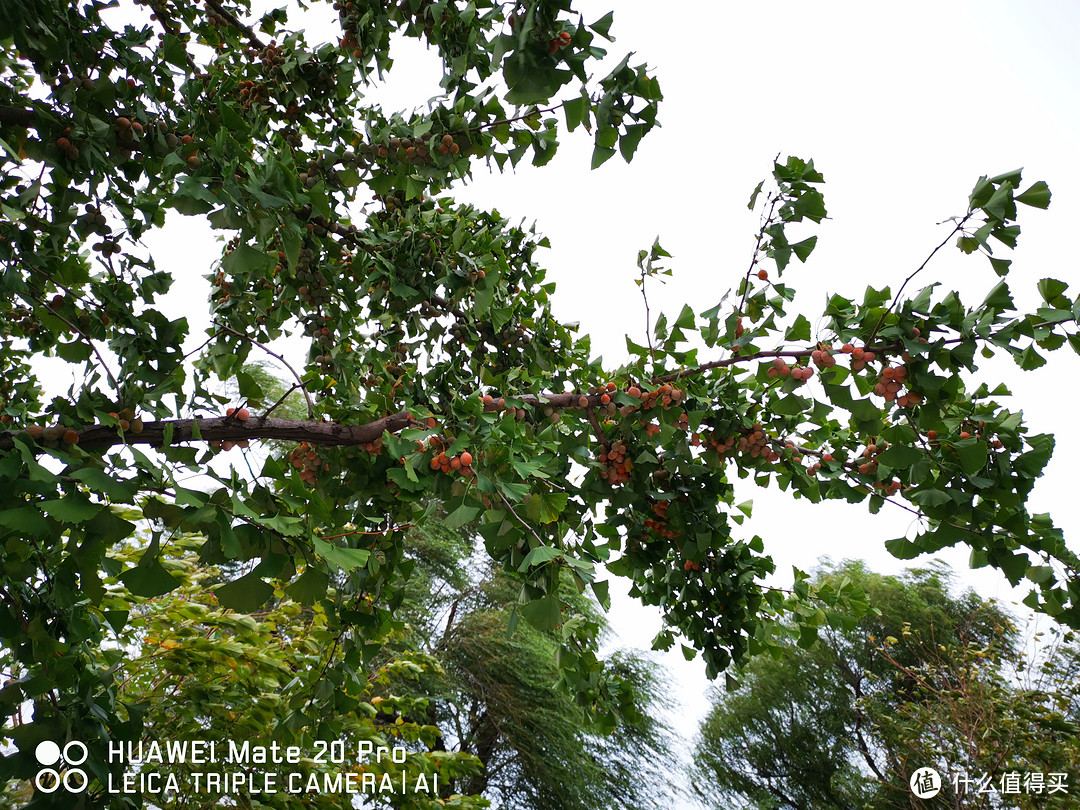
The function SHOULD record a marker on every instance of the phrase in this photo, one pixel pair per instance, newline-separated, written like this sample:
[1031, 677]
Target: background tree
[184, 668]
[494, 694]
[926, 679]
[434, 363]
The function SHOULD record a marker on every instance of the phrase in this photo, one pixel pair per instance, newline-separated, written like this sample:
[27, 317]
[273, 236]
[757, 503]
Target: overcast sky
[901, 106]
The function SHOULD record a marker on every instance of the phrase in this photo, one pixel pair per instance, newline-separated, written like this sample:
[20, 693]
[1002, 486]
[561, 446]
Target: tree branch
[252, 37]
[222, 428]
[15, 117]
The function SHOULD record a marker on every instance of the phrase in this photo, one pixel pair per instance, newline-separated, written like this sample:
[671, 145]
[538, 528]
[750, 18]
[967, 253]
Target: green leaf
[972, 457]
[899, 456]
[539, 556]
[1037, 196]
[244, 595]
[791, 405]
[602, 596]
[344, 558]
[546, 507]
[149, 580]
[999, 298]
[629, 140]
[575, 110]
[25, 521]
[929, 497]
[967, 244]
[798, 331]
[1050, 289]
[543, 614]
[1030, 359]
[754, 196]
[462, 515]
[903, 549]
[310, 587]
[601, 155]
[174, 52]
[72, 509]
[804, 248]
[245, 259]
[98, 480]
[602, 25]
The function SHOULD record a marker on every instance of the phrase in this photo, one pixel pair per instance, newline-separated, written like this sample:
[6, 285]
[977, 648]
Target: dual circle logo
[54, 760]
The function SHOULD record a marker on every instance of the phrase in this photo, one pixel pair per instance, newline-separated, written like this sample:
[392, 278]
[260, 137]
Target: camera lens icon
[50, 779]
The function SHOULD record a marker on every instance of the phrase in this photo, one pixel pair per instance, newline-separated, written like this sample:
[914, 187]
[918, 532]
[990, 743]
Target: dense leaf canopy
[435, 371]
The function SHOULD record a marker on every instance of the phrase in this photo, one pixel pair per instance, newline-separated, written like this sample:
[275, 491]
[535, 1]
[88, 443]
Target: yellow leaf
[170, 644]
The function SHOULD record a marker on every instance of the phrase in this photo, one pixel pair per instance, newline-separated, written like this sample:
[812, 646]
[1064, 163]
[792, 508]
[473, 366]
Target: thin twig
[648, 318]
[896, 298]
[276, 356]
[523, 522]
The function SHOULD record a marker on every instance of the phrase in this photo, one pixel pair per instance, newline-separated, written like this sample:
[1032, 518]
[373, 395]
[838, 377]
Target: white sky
[901, 106]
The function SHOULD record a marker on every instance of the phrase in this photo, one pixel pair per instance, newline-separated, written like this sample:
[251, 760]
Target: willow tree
[435, 366]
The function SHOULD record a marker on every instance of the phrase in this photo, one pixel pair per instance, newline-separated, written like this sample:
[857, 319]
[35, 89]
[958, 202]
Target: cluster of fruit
[890, 382]
[307, 461]
[822, 357]
[659, 523]
[968, 428]
[869, 465]
[440, 461]
[70, 150]
[888, 487]
[127, 420]
[561, 40]
[53, 437]
[824, 458]
[320, 329]
[214, 18]
[129, 133]
[616, 465]
[92, 221]
[781, 369]
[553, 414]
[314, 286]
[253, 94]
[80, 82]
[860, 357]
[23, 317]
[416, 151]
[490, 403]
[755, 444]
[752, 442]
[666, 396]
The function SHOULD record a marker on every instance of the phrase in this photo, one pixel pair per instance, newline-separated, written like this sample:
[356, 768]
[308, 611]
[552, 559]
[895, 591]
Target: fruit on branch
[307, 461]
[617, 466]
[823, 358]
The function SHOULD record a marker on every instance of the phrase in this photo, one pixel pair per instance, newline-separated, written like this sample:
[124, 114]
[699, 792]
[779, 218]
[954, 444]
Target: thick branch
[252, 37]
[230, 428]
[15, 117]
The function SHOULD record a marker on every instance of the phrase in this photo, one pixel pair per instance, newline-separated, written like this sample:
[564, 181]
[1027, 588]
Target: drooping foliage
[494, 694]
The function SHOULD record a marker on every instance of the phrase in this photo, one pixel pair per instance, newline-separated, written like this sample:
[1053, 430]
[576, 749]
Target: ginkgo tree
[435, 371]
